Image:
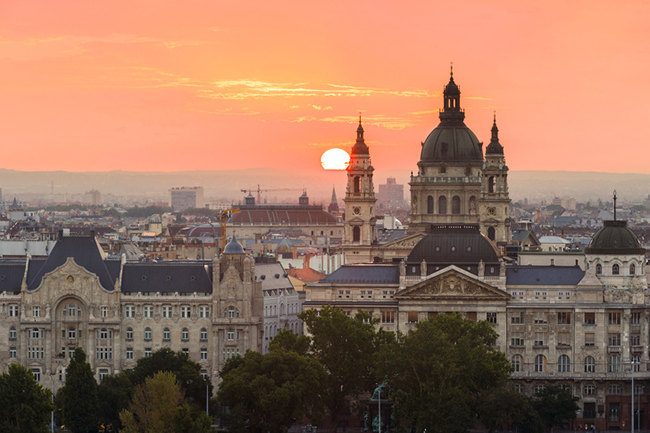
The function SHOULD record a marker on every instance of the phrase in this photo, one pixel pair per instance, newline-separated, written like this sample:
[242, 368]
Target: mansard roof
[544, 275]
[167, 277]
[364, 274]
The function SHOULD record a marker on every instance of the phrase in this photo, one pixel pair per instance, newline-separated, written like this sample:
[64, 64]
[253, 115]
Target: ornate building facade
[119, 311]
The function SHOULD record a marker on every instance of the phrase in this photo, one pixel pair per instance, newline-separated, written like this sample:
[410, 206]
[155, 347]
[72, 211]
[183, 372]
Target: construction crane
[223, 220]
[259, 191]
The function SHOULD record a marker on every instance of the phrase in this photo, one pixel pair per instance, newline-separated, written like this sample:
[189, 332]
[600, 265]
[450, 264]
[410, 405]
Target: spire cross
[452, 69]
[495, 117]
[359, 117]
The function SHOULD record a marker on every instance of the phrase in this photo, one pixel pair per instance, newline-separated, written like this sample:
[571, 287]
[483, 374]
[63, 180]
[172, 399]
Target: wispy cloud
[383, 121]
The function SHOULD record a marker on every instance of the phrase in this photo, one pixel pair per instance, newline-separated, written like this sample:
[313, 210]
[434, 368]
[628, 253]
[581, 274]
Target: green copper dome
[615, 238]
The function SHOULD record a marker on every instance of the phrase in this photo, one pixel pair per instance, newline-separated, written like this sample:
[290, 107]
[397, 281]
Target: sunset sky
[168, 85]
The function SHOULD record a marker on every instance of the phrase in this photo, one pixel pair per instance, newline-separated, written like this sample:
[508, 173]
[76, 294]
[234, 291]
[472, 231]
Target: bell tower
[494, 202]
[360, 232]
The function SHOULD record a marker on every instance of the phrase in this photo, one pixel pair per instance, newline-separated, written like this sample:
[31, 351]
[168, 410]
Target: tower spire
[614, 205]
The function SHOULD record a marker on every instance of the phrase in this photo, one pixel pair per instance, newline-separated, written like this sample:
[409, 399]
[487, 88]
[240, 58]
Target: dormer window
[616, 269]
[599, 269]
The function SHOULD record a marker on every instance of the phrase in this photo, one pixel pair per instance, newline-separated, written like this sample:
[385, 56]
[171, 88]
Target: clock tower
[494, 202]
[360, 232]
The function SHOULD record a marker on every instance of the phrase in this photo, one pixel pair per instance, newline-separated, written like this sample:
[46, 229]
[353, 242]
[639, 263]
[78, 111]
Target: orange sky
[162, 85]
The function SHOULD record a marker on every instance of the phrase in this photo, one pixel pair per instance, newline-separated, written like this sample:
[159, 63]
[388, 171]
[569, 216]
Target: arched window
[491, 233]
[491, 184]
[616, 269]
[517, 362]
[599, 269]
[148, 334]
[442, 205]
[167, 335]
[563, 364]
[356, 234]
[614, 364]
[472, 205]
[590, 364]
[429, 204]
[540, 364]
[443, 169]
[455, 205]
[357, 184]
[632, 269]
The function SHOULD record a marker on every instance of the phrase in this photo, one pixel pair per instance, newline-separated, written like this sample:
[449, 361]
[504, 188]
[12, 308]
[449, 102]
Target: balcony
[613, 349]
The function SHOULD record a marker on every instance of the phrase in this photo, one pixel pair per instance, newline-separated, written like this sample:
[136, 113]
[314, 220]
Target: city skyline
[160, 86]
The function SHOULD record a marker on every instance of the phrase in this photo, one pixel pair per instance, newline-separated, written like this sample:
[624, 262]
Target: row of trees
[444, 376]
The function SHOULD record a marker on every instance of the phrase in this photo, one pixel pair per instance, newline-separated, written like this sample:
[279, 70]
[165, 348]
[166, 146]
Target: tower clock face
[356, 210]
[491, 211]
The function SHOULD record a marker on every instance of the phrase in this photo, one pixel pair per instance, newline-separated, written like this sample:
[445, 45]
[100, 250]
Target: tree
[555, 405]
[270, 392]
[346, 347]
[80, 395]
[439, 373]
[25, 406]
[188, 373]
[114, 394]
[154, 405]
[506, 406]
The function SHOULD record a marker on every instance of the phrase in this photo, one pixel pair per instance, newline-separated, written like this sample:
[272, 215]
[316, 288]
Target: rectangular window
[36, 311]
[564, 318]
[185, 311]
[614, 339]
[589, 410]
[491, 318]
[230, 335]
[104, 311]
[129, 311]
[540, 339]
[589, 390]
[166, 312]
[413, 317]
[518, 387]
[204, 354]
[540, 318]
[129, 353]
[13, 353]
[590, 339]
[103, 372]
[204, 312]
[517, 339]
[635, 340]
[37, 374]
[517, 318]
[590, 318]
[387, 317]
[614, 412]
[636, 318]
[147, 352]
[471, 315]
[614, 389]
[13, 310]
[147, 311]
[564, 339]
[614, 318]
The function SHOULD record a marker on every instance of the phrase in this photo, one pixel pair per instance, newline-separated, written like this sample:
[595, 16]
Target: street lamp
[52, 413]
[638, 411]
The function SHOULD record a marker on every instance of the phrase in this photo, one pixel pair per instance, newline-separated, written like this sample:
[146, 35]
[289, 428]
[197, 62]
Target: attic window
[263, 277]
[437, 248]
[3, 277]
[168, 278]
[277, 275]
[70, 279]
[144, 278]
[469, 248]
[192, 278]
[453, 248]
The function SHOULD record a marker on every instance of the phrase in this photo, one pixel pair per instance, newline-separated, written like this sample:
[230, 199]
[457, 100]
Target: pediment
[452, 283]
[407, 242]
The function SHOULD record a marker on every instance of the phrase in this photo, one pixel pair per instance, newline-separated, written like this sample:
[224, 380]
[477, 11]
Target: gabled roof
[85, 251]
[306, 275]
[272, 276]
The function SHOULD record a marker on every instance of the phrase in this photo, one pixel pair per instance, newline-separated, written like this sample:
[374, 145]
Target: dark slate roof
[233, 247]
[364, 274]
[86, 253]
[11, 275]
[453, 244]
[276, 214]
[543, 275]
[167, 277]
[389, 235]
[615, 238]
[520, 235]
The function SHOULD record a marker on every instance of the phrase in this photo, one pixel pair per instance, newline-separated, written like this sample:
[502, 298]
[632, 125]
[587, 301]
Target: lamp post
[638, 410]
[52, 413]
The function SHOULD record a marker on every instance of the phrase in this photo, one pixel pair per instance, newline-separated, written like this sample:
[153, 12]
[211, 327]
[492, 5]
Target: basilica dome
[615, 238]
[452, 141]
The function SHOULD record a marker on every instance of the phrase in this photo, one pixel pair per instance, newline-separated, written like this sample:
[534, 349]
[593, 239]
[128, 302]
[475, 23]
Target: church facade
[585, 326]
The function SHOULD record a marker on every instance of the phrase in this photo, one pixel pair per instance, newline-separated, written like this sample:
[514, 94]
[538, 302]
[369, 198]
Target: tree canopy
[270, 392]
[555, 405]
[80, 402]
[439, 373]
[25, 405]
[346, 347]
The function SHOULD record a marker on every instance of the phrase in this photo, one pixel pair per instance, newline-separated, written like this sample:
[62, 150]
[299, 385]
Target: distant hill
[227, 185]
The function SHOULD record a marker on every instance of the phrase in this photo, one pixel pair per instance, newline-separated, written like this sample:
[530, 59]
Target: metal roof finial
[614, 205]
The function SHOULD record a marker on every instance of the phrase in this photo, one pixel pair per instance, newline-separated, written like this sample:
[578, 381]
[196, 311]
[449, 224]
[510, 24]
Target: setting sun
[335, 159]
